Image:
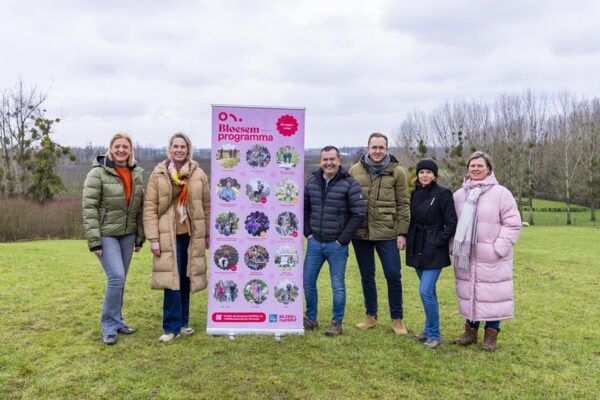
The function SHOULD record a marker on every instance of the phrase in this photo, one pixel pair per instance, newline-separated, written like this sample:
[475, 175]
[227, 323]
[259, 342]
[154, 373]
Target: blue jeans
[316, 255]
[427, 280]
[115, 259]
[488, 324]
[176, 304]
[390, 261]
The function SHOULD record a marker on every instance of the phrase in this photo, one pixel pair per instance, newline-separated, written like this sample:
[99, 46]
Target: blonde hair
[481, 154]
[122, 135]
[188, 142]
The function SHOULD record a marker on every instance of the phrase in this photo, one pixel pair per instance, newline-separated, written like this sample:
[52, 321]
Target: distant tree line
[542, 146]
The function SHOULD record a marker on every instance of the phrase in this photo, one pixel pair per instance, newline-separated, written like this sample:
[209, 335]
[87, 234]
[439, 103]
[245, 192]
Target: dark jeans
[488, 324]
[390, 261]
[176, 304]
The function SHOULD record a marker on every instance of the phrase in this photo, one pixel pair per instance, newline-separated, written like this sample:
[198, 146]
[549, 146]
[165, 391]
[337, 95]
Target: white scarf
[465, 237]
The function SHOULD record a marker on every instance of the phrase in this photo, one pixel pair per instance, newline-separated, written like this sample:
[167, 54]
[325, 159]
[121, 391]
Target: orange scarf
[125, 174]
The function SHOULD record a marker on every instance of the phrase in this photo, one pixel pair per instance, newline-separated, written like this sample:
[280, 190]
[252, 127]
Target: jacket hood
[489, 180]
[104, 161]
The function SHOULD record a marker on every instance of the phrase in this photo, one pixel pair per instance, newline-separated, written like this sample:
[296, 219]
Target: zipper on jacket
[325, 186]
[125, 200]
[128, 207]
[379, 187]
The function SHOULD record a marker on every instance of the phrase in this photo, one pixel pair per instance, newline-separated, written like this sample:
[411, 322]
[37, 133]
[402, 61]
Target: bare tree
[589, 124]
[567, 145]
[535, 120]
[509, 141]
[19, 109]
[411, 138]
[28, 157]
[447, 123]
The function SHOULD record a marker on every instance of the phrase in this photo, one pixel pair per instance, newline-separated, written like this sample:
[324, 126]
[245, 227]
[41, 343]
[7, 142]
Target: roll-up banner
[257, 197]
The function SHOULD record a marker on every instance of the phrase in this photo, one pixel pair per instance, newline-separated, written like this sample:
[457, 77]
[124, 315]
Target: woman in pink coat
[488, 227]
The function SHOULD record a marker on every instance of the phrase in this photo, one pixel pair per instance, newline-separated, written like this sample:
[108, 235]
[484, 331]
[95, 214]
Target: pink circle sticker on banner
[287, 125]
[263, 200]
[233, 268]
[295, 234]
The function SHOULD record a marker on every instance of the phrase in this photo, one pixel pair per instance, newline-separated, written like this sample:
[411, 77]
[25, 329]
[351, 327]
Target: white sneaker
[186, 331]
[167, 337]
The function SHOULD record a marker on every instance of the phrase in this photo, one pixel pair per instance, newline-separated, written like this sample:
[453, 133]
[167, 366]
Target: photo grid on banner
[256, 235]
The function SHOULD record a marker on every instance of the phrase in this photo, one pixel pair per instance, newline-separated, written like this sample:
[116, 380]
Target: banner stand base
[231, 333]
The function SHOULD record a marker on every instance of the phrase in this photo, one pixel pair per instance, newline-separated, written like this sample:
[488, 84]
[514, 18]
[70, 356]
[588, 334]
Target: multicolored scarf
[179, 177]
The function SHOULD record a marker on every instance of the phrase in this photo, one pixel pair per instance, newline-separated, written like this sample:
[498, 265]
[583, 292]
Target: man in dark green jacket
[384, 187]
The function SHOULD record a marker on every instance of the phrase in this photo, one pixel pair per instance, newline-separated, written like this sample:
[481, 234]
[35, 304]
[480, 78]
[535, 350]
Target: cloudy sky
[154, 67]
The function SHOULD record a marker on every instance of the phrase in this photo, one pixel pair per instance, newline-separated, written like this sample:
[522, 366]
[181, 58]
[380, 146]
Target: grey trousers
[116, 256]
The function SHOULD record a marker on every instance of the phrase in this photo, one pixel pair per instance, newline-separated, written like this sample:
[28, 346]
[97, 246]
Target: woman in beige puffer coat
[176, 222]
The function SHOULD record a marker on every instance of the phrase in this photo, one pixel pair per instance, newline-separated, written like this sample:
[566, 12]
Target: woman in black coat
[432, 224]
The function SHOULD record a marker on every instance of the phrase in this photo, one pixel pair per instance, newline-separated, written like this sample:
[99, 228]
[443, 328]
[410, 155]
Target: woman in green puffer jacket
[112, 220]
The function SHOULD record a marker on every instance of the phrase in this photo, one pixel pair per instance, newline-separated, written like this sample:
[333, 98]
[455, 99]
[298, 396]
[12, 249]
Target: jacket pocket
[435, 240]
[387, 217]
[502, 248]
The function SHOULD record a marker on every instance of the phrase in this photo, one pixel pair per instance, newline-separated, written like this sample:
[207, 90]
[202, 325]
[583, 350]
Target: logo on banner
[287, 318]
[231, 129]
[223, 116]
[287, 125]
[272, 317]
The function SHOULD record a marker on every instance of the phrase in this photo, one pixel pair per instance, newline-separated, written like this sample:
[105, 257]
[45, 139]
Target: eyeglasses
[380, 148]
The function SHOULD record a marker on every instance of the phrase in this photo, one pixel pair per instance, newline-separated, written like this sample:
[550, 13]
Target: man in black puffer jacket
[333, 210]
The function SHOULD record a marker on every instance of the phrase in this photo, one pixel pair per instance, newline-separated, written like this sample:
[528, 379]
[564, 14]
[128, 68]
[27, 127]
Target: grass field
[547, 218]
[50, 343]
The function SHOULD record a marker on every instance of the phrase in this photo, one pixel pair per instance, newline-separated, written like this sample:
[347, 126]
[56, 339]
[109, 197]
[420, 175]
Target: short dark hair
[329, 148]
[377, 134]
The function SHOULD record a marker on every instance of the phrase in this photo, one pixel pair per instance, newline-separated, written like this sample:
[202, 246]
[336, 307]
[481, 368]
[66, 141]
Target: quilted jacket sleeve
[402, 200]
[91, 200]
[206, 202]
[150, 208]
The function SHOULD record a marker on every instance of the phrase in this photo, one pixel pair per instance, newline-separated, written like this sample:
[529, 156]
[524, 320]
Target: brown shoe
[310, 325]
[489, 340]
[369, 322]
[398, 327]
[468, 337]
[334, 330]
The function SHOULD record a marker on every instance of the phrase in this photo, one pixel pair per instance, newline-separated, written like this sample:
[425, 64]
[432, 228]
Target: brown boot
[398, 327]
[369, 322]
[468, 337]
[489, 340]
[334, 330]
